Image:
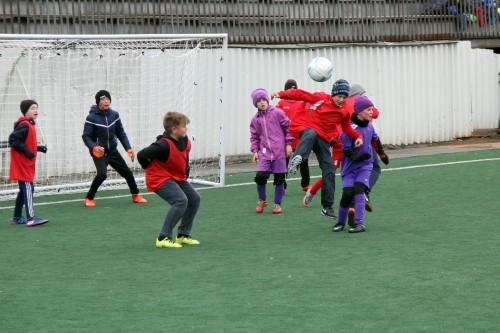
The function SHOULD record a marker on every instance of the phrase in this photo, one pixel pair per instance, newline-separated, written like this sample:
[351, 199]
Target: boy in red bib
[23, 151]
[166, 162]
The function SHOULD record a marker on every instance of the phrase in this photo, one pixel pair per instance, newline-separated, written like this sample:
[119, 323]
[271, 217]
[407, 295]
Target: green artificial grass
[427, 262]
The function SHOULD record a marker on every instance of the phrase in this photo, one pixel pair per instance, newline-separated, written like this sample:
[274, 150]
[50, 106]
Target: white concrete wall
[425, 92]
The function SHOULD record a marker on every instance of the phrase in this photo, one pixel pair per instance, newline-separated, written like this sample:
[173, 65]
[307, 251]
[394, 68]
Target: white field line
[253, 183]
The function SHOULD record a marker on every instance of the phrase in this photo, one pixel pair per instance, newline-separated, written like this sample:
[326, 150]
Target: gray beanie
[356, 89]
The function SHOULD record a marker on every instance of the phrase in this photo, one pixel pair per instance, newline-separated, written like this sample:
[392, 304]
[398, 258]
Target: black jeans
[117, 162]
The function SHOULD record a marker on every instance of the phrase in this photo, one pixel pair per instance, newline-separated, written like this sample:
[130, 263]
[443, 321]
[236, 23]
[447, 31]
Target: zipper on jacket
[267, 137]
[107, 128]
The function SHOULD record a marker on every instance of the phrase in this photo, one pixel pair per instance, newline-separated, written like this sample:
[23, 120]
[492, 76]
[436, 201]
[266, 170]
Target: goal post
[147, 76]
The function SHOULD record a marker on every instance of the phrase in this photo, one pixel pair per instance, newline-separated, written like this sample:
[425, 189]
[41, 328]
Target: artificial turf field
[428, 261]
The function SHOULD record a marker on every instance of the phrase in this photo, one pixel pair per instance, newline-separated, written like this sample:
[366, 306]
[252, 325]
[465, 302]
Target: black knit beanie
[100, 94]
[290, 84]
[26, 104]
[340, 87]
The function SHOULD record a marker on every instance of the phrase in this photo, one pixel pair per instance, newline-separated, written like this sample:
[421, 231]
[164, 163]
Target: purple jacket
[270, 134]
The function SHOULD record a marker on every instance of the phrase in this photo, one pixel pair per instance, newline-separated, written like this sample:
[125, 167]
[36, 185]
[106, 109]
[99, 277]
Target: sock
[261, 190]
[160, 238]
[342, 218]
[316, 186]
[181, 235]
[278, 194]
[359, 206]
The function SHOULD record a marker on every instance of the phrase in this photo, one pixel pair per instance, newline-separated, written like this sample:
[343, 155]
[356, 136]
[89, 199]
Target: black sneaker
[357, 228]
[338, 227]
[328, 211]
[368, 205]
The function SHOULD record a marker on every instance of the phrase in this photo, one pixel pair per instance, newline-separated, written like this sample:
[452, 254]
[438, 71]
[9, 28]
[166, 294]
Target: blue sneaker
[18, 220]
[35, 221]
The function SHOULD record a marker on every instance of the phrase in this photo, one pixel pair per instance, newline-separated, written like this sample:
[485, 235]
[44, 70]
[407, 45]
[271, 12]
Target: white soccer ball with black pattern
[320, 69]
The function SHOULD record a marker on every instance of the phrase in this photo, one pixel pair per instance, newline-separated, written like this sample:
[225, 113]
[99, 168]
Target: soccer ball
[320, 69]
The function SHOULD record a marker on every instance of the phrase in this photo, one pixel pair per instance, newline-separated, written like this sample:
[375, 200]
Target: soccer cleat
[18, 220]
[136, 198]
[307, 198]
[167, 242]
[368, 205]
[276, 209]
[328, 212]
[261, 205]
[296, 161]
[357, 228]
[35, 221]
[338, 227]
[306, 188]
[89, 203]
[350, 217]
[188, 240]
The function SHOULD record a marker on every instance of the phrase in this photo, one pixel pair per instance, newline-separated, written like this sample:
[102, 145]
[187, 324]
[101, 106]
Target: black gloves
[354, 156]
[29, 154]
[380, 151]
[360, 158]
[42, 149]
[333, 142]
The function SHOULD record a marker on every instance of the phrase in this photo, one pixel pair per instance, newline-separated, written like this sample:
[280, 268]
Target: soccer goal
[147, 76]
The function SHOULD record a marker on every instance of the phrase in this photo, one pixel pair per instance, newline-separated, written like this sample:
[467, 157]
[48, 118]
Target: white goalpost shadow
[147, 76]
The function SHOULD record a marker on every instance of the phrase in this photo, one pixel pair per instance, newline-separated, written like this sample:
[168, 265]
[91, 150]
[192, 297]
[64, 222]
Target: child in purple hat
[271, 144]
[357, 164]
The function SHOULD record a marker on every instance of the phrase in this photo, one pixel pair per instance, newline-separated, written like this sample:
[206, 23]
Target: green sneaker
[186, 240]
[167, 242]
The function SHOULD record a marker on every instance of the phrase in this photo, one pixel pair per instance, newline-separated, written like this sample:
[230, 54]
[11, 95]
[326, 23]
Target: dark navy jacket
[102, 129]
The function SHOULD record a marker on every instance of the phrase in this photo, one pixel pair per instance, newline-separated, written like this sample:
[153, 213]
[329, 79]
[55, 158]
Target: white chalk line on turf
[253, 183]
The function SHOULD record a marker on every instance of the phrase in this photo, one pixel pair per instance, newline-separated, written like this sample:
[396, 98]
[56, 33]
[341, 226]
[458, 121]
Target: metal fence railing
[260, 21]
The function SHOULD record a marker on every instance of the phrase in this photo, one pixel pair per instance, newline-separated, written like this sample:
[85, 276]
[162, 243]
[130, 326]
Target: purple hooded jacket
[270, 134]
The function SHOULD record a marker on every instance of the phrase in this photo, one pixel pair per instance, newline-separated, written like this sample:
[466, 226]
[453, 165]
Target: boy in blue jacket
[102, 127]
[271, 144]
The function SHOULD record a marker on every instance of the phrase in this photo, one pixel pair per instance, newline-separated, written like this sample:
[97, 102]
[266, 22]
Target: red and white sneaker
[276, 209]
[260, 206]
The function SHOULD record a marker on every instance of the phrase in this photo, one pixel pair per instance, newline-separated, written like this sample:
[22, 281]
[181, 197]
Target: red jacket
[325, 116]
[157, 172]
[21, 167]
[290, 107]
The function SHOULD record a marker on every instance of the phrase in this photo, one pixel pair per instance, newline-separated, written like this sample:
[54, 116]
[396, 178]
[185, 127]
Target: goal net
[147, 76]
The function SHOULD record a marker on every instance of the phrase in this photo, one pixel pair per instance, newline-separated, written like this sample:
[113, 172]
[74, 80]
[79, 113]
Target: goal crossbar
[147, 75]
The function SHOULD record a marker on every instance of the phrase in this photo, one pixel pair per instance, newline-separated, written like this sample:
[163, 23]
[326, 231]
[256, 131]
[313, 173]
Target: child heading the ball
[23, 152]
[102, 127]
[356, 90]
[357, 165]
[326, 111]
[290, 106]
[166, 162]
[271, 144]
